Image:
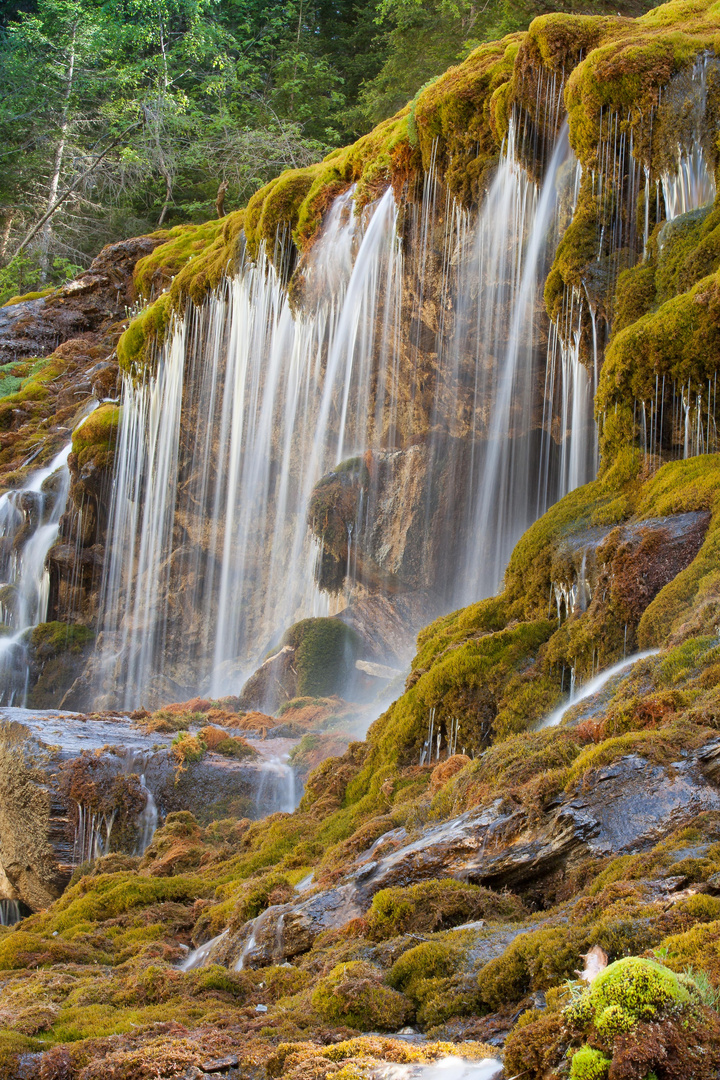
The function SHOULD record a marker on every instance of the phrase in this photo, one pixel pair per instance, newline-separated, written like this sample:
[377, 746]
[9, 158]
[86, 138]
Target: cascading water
[29, 522]
[518, 229]
[10, 913]
[254, 400]
[259, 393]
[272, 401]
[691, 183]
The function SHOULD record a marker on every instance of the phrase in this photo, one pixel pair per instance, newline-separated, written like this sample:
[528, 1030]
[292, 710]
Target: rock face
[75, 787]
[84, 307]
[622, 808]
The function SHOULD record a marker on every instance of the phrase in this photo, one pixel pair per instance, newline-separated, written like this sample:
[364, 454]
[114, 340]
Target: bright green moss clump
[627, 992]
[630, 992]
[589, 1064]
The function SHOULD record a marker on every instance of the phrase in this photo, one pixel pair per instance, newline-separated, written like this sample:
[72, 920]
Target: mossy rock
[325, 654]
[355, 995]
[429, 906]
[93, 441]
[49, 639]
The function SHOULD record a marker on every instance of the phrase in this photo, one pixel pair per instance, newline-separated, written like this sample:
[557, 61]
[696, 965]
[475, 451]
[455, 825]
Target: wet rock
[624, 807]
[74, 787]
[97, 297]
[274, 682]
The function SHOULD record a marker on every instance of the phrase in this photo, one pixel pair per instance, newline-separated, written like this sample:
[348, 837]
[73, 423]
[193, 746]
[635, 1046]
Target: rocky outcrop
[621, 808]
[83, 308]
[74, 787]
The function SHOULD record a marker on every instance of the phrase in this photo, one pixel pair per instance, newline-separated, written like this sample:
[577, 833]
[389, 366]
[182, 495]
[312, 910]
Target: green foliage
[24, 278]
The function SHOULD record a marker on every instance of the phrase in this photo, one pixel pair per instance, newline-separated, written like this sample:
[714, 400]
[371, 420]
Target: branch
[73, 187]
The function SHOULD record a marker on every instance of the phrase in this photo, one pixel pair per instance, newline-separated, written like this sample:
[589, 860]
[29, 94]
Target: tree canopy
[121, 116]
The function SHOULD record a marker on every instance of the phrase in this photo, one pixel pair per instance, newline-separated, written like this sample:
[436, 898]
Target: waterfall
[9, 912]
[431, 323]
[29, 523]
[594, 686]
[518, 229]
[93, 829]
[270, 400]
[690, 183]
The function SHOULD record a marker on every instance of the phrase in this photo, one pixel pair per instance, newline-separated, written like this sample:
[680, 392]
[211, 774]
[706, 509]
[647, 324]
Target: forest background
[118, 117]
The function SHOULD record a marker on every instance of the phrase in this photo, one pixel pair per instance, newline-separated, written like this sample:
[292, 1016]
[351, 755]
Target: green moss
[534, 961]
[108, 896]
[93, 441]
[272, 213]
[137, 347]
[627, 992]
[589, 1064]
[38, 295]
[461, 117]
[353, 994]
[325, 652]
[56, 637]
[434, 905]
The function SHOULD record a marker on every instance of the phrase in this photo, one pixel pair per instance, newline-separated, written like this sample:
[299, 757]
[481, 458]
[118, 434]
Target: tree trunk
[168, 197]
[46, 237]
[220, 201]
[4, 241]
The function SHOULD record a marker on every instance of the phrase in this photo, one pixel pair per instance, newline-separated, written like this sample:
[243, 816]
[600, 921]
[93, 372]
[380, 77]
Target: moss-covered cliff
[459, 884]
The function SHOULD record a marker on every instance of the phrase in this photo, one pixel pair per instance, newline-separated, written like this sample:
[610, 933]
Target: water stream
[29, 522]
[594, 686]
[447, 1068]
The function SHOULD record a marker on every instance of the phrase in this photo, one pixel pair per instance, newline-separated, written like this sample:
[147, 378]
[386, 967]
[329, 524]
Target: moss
[136, 349]
[48, 639]
[13, 1046]
[430, 960]
[272, 213]
[535, 1044]
[93, 441]
[325, 651]
[434, 905]
[166, 720]
[354, 994]
[183, 243]
[589, 1064]
[626, 992]
[37, 295]
[534, 961]
[461, 117]
[187, 748]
